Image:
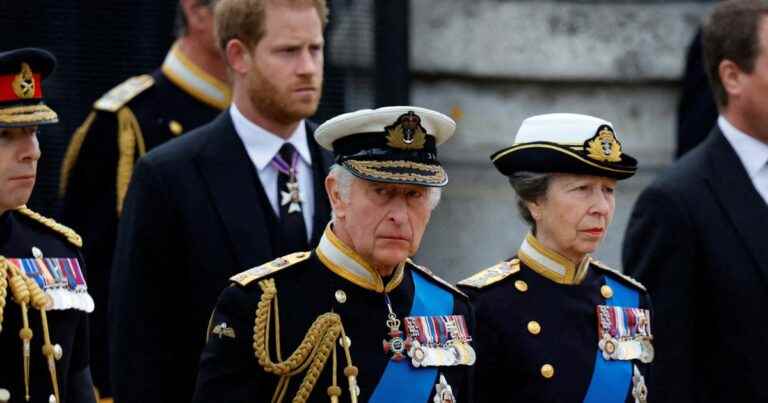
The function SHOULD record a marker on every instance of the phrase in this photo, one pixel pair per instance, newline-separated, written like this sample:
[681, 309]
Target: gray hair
[529, 187]
[344, 180]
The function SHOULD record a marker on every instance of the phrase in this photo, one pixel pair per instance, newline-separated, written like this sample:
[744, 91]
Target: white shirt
[262, 146]
[753, 154]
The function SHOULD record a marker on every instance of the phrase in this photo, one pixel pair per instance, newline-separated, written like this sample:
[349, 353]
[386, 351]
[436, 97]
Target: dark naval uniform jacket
[697, 239]
[195, 215]
[537, 330]
[26, 236]
[131, 119]
[332, 278]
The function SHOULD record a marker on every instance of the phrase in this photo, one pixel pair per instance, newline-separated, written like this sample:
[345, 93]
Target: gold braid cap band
[311, 355]
[25, 291]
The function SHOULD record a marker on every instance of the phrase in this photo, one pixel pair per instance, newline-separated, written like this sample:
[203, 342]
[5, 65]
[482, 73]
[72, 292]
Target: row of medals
[453, 352]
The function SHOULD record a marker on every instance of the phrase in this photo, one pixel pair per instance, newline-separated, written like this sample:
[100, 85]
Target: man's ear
[731, 77]
[238, 56]
[334, 196]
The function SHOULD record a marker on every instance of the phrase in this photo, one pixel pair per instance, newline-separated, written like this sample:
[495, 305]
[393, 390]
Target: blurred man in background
[187, 91]
[239, 191]
[697, 236]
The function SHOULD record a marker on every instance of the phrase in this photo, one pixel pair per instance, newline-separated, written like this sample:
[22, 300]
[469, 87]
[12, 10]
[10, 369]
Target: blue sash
[401, 382]
[611, 378]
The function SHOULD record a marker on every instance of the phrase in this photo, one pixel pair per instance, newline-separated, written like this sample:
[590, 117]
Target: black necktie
[293, 232]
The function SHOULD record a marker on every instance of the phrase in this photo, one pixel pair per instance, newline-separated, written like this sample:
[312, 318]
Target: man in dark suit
[232, 194]
[697, 236]
[187, 91]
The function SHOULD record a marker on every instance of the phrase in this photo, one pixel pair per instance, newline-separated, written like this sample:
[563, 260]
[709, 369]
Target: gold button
[175, 127]
[521, 286]
[606, 291]
[345, 341]
[341, 296]
[547, 371]
[534, 327]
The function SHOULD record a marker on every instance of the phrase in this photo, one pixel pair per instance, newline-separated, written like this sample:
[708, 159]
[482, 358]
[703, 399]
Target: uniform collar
[262, 145]
[194, 80]
[551, 264]
[345, 262]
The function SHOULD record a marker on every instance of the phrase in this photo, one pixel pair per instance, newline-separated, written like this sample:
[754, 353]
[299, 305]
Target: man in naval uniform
[365, 321]
[44, 297]
[187, 91]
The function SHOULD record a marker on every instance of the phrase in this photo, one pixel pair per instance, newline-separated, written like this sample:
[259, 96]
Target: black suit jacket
[90, 202]
[697, 239]
[195, 214]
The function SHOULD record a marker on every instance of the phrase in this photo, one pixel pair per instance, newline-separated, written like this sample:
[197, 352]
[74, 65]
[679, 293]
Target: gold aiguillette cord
[25, 291]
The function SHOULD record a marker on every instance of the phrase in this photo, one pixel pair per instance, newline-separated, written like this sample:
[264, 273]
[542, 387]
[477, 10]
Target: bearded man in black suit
[697, 236]
[241, 190]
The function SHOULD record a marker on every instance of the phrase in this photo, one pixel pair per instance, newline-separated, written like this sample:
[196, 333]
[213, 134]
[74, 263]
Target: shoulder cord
[73, 151]
[312, 353]
[25, 291]
[128, 139]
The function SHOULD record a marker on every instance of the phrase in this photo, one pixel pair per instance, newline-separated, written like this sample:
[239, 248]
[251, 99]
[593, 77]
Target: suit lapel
[321, 162]
[742, 204]
[236, 192]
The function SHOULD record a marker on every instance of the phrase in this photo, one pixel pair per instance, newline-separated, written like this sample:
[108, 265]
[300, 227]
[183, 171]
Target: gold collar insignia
[551, 264]
[345, 262]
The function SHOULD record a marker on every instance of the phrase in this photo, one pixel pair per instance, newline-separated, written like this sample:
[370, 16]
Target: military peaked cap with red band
[21, 92]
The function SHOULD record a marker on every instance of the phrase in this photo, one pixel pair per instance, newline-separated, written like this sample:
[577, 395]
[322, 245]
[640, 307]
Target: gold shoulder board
[67, 232]
[433, 276]
[266, 269]
[492, 275]
[117, 97]
[630, 280]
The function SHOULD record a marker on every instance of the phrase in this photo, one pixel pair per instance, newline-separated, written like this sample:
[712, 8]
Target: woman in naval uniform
[554, 324]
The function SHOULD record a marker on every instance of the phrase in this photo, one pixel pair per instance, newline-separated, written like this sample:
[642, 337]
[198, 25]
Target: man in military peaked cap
[368, 323]
[43, 293]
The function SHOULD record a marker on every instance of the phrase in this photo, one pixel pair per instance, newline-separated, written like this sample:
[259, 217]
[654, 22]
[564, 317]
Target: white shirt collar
[752, 152]
[262, 145]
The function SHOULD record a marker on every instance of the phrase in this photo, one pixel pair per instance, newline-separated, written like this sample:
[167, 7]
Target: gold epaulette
[117, 97]
[492, 275]
[433, 276]
[266, 269]
[68, 233]
[630, 280]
